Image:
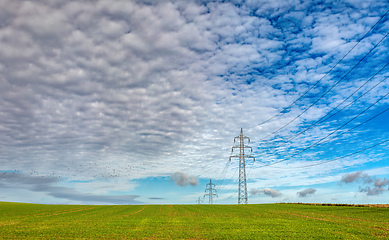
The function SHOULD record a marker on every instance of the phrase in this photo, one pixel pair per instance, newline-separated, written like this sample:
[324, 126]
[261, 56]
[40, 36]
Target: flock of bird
[95, 170]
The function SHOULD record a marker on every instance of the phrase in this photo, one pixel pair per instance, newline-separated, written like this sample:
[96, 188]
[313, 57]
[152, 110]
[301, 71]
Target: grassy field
[267, 221]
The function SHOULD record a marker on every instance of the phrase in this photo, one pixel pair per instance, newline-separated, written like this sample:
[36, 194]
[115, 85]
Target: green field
[265, 221]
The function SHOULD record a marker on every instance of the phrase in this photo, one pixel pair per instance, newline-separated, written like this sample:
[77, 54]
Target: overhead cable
[335, 159]
[323, 119]
[282, 111]
[317, 100]
[334, 131]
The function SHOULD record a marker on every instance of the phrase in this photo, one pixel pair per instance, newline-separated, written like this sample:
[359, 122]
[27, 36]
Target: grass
[265, 221]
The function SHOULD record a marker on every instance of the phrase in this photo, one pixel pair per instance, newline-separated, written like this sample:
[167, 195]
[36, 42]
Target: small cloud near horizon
[266, 191]
[307, 192]
[370, 184]
[182, 179]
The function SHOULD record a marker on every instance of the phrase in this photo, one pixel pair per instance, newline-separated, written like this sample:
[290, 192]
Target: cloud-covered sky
[128, 102]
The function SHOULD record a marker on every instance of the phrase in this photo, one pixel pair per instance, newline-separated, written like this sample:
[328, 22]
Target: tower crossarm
[243, 137]
[245, 156]
[244, 146]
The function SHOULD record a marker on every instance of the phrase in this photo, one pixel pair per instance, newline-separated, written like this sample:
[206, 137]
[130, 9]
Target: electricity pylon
[211, 191]
[198, 201]
[242, 196]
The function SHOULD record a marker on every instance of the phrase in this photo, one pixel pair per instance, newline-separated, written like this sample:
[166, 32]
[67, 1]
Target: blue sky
[138, 102]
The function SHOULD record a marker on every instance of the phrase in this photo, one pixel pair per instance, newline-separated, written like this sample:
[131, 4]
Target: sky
[139, 102]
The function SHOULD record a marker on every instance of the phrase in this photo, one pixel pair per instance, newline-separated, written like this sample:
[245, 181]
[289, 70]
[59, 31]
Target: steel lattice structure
[242, 196]
[211, 191]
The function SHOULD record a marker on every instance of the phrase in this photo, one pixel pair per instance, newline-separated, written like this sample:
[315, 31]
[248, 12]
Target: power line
[233, 186]
[327, 90]
[382, 112]
[338, 158]
[281, 112]
[248, 173]
[323, 119]
[220, 179]
[334, 131]
[355, 100]
[342, 133]
[229, 181]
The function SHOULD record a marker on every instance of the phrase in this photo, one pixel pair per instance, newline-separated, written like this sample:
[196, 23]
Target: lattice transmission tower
[211, 191]
[198, 201]
[242, 196]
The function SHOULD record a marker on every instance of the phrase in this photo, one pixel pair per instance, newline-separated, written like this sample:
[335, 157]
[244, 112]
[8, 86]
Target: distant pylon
[211, 191]
[198, 201]
[242, 196]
